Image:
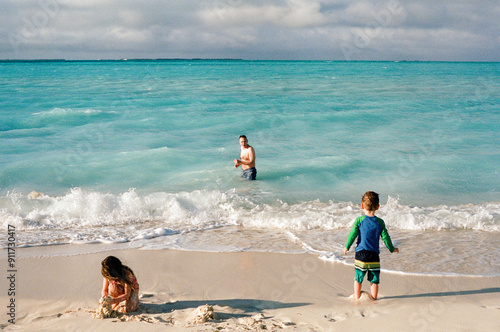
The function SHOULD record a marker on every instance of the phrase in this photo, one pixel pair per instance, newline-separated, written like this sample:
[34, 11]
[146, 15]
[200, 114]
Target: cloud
[291, 14]
[253, 29]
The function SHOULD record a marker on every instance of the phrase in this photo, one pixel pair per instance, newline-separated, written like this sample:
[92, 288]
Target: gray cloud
[251, 29]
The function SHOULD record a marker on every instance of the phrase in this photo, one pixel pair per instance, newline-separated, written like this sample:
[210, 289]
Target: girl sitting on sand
[120, 283]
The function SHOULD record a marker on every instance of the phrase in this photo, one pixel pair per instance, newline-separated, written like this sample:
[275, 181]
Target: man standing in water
[247, 159]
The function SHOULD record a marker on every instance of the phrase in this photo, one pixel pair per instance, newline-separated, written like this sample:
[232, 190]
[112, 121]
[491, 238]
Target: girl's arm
[105, 285]
[124, 296]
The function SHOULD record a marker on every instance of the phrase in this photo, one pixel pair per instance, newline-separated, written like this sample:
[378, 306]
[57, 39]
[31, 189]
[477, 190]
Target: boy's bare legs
[357, 290]
[374, 289]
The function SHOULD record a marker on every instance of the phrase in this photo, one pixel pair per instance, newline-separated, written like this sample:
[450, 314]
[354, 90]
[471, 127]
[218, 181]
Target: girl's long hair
[113, 269]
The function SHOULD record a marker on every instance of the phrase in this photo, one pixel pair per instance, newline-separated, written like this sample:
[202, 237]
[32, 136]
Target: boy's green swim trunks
[367, 261]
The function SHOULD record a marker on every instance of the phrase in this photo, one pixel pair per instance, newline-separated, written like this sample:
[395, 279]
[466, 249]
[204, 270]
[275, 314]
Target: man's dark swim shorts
[250, 174]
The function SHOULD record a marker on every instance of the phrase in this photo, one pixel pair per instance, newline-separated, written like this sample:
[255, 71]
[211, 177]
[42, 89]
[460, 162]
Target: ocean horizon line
[231, 59]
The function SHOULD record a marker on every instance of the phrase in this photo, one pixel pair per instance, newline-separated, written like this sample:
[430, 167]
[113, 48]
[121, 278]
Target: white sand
[247, 291]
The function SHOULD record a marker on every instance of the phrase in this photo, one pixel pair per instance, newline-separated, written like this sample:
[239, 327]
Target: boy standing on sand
[368, 229]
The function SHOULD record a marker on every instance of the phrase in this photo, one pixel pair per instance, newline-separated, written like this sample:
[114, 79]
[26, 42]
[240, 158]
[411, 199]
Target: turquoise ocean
[138, 154]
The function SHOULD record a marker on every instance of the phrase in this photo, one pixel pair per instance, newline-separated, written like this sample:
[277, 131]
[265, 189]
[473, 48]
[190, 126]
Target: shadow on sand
[237, 307]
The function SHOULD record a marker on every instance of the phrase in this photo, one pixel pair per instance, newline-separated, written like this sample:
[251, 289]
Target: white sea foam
[484, 217]
[55, 112]
[161, 213]
[234, 220]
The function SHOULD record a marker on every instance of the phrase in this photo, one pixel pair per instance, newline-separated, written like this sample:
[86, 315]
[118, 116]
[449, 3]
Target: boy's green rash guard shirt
[368, 230]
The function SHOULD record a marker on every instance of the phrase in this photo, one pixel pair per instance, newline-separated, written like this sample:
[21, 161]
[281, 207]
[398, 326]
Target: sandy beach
[247, 291]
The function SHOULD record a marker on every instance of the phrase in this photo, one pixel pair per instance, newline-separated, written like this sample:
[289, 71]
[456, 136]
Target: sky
[426, 30]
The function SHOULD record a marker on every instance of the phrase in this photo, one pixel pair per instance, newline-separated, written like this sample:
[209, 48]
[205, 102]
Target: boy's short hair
[370, 200]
